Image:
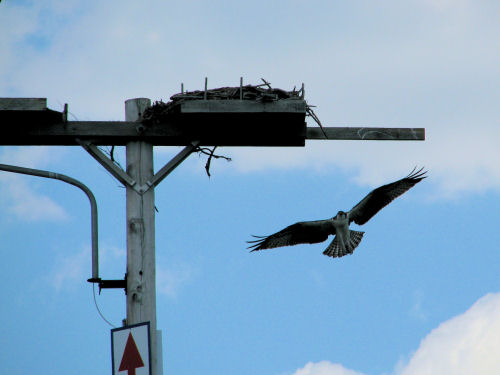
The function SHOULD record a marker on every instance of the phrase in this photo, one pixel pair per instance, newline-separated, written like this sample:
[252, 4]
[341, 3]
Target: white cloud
[74, 268]
[438, 69]
[30, 157]
[110, 254]
[20, 198]
[69, 270]
[172, 279]
[463, 345]
[28, 205]
[446, 5]
[325, 368]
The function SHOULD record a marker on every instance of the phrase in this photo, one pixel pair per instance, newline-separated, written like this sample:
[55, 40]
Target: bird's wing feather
[302, 232]
[382, 196]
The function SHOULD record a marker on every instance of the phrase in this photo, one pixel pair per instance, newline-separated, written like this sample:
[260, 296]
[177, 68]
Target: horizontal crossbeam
[27, 121]
[368, 134]
[121, 132]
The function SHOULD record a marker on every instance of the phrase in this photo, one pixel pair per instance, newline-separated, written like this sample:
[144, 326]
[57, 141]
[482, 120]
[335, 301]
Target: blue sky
[421, 294]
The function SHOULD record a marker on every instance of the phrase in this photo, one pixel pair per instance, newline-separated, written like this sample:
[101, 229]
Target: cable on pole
[99, 310]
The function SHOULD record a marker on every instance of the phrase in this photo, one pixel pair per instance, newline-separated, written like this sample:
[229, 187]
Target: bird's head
[341, 215]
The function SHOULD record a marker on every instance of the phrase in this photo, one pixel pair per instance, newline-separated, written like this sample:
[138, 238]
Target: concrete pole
[141, 273]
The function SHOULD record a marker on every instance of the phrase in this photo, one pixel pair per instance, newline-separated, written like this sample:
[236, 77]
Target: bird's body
[345, 240]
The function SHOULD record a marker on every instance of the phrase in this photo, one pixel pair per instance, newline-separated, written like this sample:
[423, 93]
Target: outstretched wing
[302, 232]
[382, 196]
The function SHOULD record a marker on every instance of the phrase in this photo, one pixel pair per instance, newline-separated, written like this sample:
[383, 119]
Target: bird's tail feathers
[335, 249]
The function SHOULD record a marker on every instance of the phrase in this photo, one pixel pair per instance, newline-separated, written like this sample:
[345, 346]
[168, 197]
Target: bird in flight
[345, 240]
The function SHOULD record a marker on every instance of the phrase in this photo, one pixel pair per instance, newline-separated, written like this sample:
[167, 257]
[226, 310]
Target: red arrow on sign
[131, 357]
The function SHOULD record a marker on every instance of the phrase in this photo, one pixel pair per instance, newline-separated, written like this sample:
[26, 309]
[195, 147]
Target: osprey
[345, 240]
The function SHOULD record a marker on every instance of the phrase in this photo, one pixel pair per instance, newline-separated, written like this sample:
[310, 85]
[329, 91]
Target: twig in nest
[311, 113]
[266, 84]
[210, 153]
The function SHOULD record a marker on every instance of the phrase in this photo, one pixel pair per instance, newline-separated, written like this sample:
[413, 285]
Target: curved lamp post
[93, 209]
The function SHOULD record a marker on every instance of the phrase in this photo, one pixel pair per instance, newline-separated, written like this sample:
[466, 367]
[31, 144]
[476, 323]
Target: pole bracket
[110, 284]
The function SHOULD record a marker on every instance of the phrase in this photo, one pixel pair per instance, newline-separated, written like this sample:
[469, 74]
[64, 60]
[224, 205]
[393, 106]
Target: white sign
[130, 350]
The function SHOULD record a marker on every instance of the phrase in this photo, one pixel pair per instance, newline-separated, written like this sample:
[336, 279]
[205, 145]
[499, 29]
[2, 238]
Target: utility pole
[211, 122]
[141, 264]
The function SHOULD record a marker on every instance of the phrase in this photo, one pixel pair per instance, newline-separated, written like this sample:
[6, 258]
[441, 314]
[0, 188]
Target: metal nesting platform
[212, 122]
[234, 122]
[27, 111]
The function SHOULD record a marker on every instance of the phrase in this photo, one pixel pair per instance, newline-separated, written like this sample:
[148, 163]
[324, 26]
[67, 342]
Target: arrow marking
[131, 357]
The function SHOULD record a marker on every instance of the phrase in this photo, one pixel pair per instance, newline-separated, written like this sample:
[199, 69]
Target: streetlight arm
[81, 186]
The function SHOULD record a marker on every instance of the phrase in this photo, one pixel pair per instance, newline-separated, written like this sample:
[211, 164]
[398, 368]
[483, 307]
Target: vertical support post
[141, 272]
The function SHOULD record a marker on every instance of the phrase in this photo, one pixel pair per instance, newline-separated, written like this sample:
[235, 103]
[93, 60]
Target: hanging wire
[110, 153]
[311, 113]
[97, 307]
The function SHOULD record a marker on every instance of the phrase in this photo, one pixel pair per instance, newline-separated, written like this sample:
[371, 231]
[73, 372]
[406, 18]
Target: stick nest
[258, 93]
